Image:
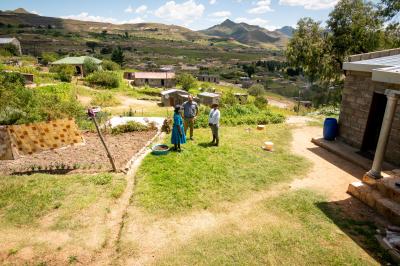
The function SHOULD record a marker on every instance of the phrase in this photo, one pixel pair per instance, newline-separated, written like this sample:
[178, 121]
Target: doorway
[374, 124]
[171, 101]
[162, 83]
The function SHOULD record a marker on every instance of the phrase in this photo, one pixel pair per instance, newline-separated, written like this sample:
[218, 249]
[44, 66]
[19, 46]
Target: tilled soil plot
[88, 157]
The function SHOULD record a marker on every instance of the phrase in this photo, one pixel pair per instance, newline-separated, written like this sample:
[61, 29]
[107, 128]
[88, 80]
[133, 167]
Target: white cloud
[261, 7]
[141, 9]
[221, 14]
[84, 16]
[129, 9]
[212, 2]
[256, 21]
[34, 12]
[186, 12]
[310, 4]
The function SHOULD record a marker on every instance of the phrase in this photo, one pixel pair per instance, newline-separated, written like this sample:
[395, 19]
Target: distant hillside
[247, 34]
[287, 30]
[21, 17]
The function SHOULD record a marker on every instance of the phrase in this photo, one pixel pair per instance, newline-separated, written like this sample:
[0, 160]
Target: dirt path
[152, 236]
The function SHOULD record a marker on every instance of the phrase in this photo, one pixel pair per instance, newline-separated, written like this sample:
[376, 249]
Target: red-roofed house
[153, 79]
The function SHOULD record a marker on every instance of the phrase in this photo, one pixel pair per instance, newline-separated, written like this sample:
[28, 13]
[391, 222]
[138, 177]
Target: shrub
[110, 65]
[256, 90]
[187, 81]
[105, 99]
[63, 72]
[101, 179]
[129, 127]
[261, 102]
[48, 57]
[118, 56]
[89, 66]
[105, 79]
[229, 99]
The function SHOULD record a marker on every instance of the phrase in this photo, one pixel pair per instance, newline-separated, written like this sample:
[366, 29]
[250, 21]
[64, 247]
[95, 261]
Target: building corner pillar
[375, 172]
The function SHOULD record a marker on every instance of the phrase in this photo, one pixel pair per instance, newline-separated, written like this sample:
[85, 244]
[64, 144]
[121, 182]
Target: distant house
[168, 68]
[28, 78]
[153, 79]
[77, 62]
[241, 97]
[209, 98]
[11, 41]
[208, 78]
[173, 97]
[246, 82]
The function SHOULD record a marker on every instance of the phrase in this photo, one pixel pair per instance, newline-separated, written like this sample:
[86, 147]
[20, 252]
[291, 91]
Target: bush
[261, 102]
[228, 99]
[101, 179]
[129, 127]
[48, 57]
[89, 66]
[110, 65]
[107, 79]
[187, 81]
[104, 99]
[63, 72]
[256, 90]
[241, 115]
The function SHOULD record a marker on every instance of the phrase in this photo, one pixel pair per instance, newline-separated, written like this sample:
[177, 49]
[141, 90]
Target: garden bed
[88, 158]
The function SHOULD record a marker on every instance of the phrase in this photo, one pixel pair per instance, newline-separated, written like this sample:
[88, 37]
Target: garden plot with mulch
[86, 158]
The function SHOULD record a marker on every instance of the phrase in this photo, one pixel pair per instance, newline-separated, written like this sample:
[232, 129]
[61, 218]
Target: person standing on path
[190, 111]
[213, 122]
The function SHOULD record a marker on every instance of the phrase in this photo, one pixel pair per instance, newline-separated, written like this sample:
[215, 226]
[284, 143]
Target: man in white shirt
[213, 122]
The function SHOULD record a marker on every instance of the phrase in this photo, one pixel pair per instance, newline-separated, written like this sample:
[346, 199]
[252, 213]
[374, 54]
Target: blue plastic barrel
[330, 128]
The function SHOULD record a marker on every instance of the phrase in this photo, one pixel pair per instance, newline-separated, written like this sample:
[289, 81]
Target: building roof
[75, 60]
[370, 64]
[209, 94]
[154, 75]
[384, 65]
[173, 91]
[7, 40]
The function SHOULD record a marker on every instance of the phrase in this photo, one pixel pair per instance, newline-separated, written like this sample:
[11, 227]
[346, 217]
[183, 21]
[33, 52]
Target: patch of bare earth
[90, 156]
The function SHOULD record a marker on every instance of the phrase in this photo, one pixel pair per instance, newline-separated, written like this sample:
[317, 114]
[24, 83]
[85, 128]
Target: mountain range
[240, 34]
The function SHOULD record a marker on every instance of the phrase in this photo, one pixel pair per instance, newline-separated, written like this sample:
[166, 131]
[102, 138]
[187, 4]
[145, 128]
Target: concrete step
[373, 198]
[388, 189]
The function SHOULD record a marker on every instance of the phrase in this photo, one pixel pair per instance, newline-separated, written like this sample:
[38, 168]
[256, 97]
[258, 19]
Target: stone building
[11, 41]
[209, 98]
[152, 79]
[368, 119]
[208, 78]
[173, 97]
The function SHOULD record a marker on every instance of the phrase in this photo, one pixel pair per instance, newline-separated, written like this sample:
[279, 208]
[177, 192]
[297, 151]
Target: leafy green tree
[187, 81]
[89, 66]
[356, 27]
[249, 69]
[307, 48]
[110, 65]
[92, 45]
[117, 56]
[256, 90]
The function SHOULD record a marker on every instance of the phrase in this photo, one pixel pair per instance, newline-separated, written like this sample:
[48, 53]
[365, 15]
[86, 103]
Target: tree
[249, 69]
[256, 90]
[187, 81]
[92, 45]
[356, 27]
[307, 48]
[117, 55]
[390, 9]
[89, 66]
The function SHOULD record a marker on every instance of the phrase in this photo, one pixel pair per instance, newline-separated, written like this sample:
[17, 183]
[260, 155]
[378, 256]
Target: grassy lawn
[200, 177]
[24, 200]
[291, 229]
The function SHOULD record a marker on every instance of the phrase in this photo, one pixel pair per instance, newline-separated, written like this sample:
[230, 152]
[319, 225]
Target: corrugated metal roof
[154, 75]
[370, 64]
[173, 90]
[75, 60]
[7, 40]
[208, 94]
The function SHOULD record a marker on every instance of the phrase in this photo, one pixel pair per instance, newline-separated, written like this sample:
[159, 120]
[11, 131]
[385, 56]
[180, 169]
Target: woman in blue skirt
[178, 133]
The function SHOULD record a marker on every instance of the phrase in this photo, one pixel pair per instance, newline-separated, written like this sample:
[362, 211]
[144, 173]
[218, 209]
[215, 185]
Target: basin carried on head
[160, 149]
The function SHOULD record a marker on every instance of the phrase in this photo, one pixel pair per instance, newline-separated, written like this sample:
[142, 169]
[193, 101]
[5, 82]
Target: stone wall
[356, 101]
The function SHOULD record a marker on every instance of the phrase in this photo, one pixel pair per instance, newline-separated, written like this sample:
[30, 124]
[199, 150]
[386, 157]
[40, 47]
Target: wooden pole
[104, 144]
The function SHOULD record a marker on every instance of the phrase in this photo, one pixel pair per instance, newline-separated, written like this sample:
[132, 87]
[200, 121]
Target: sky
[193, 14]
